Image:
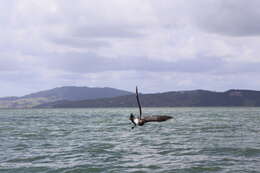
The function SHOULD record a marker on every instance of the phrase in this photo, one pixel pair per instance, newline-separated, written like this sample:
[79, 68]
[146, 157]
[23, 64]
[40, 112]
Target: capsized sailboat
[142, 120]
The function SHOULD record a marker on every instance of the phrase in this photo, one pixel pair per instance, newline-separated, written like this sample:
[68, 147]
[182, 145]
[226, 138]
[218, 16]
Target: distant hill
[78, 93]
[71, 93]
[169, 99]
[8, 98]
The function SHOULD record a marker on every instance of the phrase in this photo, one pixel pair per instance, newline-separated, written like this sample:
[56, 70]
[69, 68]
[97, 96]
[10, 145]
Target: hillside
[71, 93]
[169, 99]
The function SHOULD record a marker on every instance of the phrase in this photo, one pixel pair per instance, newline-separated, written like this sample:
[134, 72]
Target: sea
[196, 140]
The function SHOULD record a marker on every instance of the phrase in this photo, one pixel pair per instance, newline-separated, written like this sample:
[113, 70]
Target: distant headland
[87, 97]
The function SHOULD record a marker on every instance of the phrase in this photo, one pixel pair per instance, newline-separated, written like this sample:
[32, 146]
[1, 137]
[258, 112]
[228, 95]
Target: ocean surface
[197, 140]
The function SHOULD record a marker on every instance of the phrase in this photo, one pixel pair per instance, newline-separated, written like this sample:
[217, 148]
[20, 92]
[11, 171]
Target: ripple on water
[101, 140]
[231, 151]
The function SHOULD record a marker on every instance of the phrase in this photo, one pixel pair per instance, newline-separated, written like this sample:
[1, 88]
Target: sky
[160, 46]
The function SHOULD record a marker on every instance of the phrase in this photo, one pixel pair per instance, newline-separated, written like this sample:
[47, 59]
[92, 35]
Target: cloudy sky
[158, 45]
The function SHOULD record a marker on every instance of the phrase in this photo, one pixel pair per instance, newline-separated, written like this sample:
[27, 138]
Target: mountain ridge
[72, 93]
[189, 98]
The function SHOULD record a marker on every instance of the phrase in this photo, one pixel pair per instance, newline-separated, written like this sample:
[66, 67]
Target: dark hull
[156, 118]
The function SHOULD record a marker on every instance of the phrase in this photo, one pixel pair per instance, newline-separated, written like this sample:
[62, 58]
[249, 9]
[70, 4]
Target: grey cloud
[242, 67]
[21, 77]
[93, 37]
[9, 63]
[6, 12]
[91, 62]
[106, 31]
[194, 65]
[79, 42]
[233, 17]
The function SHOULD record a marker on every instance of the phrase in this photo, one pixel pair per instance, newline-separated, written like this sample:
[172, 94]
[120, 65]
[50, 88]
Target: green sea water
[197, 140]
